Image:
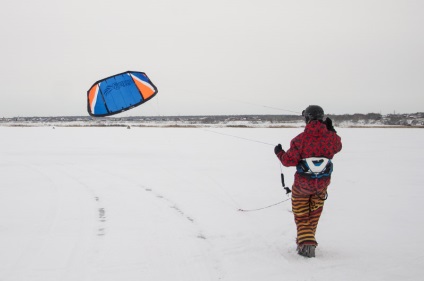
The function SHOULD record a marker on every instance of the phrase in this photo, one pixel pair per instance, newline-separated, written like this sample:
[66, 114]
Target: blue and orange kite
[119, 93]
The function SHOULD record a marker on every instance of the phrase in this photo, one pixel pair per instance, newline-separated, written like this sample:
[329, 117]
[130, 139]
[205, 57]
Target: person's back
[315, 141]
[316, 145]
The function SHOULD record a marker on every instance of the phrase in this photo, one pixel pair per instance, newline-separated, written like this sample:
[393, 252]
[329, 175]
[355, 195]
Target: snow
[162, 204]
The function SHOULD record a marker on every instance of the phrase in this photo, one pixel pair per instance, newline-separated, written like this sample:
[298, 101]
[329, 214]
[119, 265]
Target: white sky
[215, 57]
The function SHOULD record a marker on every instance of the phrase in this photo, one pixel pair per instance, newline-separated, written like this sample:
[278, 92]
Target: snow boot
[306, 251]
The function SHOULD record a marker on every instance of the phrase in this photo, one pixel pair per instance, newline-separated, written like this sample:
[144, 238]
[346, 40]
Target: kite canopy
[119, 93]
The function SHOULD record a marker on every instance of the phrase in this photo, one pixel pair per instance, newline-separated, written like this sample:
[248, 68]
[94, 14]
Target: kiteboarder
[311, 152]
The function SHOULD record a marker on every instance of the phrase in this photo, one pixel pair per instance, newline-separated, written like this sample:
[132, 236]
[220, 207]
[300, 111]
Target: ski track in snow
[73, 261]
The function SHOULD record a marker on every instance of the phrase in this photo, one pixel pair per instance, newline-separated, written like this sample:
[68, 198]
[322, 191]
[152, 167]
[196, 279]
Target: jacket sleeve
[338, 143]
[292, 156]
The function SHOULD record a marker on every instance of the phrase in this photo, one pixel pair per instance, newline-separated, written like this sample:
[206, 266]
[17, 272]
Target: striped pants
[307, 210]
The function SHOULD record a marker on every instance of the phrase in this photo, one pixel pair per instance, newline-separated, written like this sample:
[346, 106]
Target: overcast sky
[215, 57]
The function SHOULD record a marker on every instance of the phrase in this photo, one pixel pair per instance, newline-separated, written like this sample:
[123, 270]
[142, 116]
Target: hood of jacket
[316, 128]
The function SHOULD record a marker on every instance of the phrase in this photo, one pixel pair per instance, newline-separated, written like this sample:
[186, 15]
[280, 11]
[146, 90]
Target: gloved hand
[329, 123]
[278, 149]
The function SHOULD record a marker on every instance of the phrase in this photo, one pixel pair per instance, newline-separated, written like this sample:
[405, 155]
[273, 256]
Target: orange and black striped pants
[307, 210]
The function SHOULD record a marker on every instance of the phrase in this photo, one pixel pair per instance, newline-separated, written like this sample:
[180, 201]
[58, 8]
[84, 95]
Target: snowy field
[107, 204]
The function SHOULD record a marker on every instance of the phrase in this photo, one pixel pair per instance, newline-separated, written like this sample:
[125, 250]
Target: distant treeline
[413, 119]
[375, 119]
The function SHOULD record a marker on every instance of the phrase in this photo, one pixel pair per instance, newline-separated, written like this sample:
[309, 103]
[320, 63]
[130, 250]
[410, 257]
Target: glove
[329, 123]
[278, 149]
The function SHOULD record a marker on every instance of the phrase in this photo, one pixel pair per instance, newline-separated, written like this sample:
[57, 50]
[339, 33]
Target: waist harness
[315, 167]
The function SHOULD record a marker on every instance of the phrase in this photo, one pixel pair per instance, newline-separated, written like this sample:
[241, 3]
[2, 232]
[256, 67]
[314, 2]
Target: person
[311, 152]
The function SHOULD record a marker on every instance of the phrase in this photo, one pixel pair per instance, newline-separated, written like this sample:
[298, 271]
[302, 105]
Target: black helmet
[313, 112]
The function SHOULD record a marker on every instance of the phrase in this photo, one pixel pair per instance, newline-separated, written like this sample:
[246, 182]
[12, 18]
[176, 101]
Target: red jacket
[315, 141]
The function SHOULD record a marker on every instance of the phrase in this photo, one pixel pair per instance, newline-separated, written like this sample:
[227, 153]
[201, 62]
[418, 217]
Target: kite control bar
[288, 190]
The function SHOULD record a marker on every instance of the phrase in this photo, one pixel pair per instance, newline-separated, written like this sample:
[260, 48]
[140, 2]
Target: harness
[315, 167]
